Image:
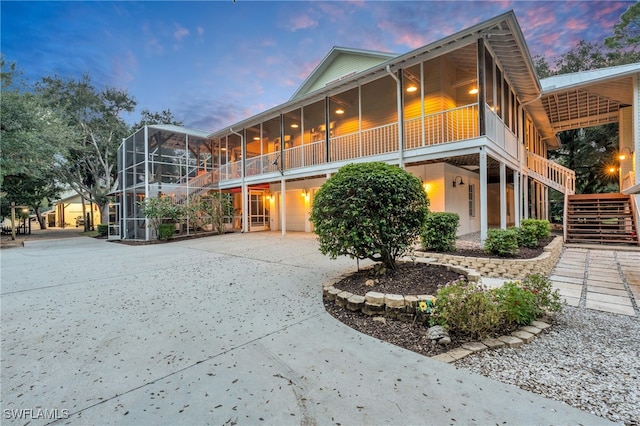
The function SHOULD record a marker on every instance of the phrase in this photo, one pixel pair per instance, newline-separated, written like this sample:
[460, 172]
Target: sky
[214, 63]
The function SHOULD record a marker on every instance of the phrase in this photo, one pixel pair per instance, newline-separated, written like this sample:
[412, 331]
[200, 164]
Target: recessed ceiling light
[412, 88]
[339, 111]
[294, 126]
[473, 91]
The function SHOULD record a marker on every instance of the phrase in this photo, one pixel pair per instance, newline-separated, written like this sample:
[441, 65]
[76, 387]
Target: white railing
[501, 134]
[447, 126]
[231, 171]
[307, 155]
[262, 164]
[376, 141]
[551, 173]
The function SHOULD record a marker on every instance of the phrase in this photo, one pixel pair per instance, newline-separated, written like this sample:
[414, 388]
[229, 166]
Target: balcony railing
[376, 141]
[306, 155]
[551, 173]
[499, 133]
[447, 126]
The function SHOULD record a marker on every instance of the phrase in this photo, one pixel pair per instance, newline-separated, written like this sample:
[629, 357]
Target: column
[484, 220]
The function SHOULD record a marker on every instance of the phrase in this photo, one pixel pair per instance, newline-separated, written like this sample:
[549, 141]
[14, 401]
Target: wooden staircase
[601, 219]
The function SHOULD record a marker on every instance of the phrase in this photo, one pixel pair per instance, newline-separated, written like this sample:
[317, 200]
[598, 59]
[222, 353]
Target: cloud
[302, 22]
[124, 68]
[180, 33]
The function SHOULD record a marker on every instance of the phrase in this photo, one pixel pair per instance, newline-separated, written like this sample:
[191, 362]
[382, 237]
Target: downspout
[244, 187]
[400, 117]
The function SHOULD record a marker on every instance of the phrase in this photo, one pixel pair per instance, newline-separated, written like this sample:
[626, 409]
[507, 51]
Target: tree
[626, 33]
[89, 166]
[149, 118]
[369, 211]
[34, 141]
[159, 211]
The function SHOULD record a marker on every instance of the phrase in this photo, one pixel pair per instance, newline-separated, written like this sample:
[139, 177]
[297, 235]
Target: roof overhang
[587, 98]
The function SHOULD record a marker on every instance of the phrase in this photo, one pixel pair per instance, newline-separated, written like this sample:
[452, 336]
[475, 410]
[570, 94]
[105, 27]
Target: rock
[380, 319]
[369, 283]
[437, 332]
[445, 340]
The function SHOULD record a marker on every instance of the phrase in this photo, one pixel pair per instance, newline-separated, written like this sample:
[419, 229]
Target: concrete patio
[218, 330]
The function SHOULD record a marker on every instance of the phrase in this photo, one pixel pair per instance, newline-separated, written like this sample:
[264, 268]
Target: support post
[484, 220]
[283, 213]
[503, 196]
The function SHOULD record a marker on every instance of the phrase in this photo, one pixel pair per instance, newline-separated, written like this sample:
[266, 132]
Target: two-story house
[466, 114]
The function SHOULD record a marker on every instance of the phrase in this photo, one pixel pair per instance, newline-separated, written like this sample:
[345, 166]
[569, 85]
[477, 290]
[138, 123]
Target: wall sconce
[426, 186]
[457, 181]
[305, 192]
[622, 155]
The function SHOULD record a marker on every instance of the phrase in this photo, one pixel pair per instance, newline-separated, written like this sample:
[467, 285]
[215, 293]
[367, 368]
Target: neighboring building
[465, 114]
[69, 213]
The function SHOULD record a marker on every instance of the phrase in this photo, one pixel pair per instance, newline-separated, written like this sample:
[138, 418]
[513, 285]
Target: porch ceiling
[589, 105]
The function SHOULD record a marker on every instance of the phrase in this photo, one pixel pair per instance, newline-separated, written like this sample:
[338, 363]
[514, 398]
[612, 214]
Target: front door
[258, 211]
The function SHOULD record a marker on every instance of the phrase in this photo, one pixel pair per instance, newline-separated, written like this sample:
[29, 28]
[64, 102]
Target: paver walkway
[218, 330]
[602, 279]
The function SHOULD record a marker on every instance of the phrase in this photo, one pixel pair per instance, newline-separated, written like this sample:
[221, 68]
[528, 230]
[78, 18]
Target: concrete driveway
[218, 330]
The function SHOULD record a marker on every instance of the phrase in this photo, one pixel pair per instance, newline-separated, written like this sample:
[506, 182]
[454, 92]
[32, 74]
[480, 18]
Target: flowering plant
[426, 306]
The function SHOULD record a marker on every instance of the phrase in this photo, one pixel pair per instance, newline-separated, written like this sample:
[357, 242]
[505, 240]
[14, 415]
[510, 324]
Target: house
[69, 213]
[466, 114]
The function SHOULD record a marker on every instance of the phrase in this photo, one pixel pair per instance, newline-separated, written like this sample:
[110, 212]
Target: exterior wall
[69, 209]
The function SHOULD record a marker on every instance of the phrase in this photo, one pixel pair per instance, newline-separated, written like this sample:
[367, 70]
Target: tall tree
[34, 141]
[148, 117]
[90, 166]
[626, 33]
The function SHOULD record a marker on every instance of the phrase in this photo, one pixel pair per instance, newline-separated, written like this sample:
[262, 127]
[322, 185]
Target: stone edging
[503, 267]
[393, 306]
[516, 339]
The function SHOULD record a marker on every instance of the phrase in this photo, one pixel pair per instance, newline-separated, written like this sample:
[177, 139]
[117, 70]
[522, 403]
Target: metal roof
[172, 128]
[588, 98]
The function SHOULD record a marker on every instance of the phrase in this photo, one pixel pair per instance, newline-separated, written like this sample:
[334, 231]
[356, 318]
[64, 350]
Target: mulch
[409, 279]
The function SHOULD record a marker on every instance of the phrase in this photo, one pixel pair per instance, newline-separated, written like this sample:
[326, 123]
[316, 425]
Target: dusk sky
[216, 62]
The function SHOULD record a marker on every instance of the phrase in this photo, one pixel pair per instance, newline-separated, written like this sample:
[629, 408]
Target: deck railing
[501, 134]
[551, 173]
[306, 155]
[376, 141]
[447, 126]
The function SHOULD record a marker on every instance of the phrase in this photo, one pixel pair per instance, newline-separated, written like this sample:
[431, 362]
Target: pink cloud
[576, 25]
[302, 22]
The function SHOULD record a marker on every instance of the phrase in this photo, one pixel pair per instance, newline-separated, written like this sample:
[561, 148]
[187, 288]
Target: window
[472, 200]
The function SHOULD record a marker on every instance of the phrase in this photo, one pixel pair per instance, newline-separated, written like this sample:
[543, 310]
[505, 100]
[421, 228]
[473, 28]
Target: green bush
[439, 231]
[466, 308]
[526, 236]
[103, 230]
[541, 227]
[546, 299]
[501, 242]
[166, 230]
[369, 211]
[516, 304]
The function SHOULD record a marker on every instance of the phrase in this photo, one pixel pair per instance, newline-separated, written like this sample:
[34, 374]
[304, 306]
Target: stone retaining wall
[394, 306]
[502, 267]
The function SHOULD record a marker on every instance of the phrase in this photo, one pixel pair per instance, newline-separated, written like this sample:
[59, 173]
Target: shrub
[516, 304]
[166, 230]
[526, 236]
[501, 242]
[369, 211]
[541, 227]
[546, 299]
[103, 229]
[466, 308]
[160, 209]
[439, 231]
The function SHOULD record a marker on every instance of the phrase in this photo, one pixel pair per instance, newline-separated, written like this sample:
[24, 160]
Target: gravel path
[589, 359]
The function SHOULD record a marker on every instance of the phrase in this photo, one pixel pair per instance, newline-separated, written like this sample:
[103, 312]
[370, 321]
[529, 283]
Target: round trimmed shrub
[439, 231]
[502, 242]
[369, 211]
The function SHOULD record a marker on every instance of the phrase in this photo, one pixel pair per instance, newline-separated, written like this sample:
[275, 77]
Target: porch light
[294, 126]
[612, 169]
[457, 181]
[622, 154]
[339, 111]
[256, 138]
[305, 192]
[473, 91]
[412, 88]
